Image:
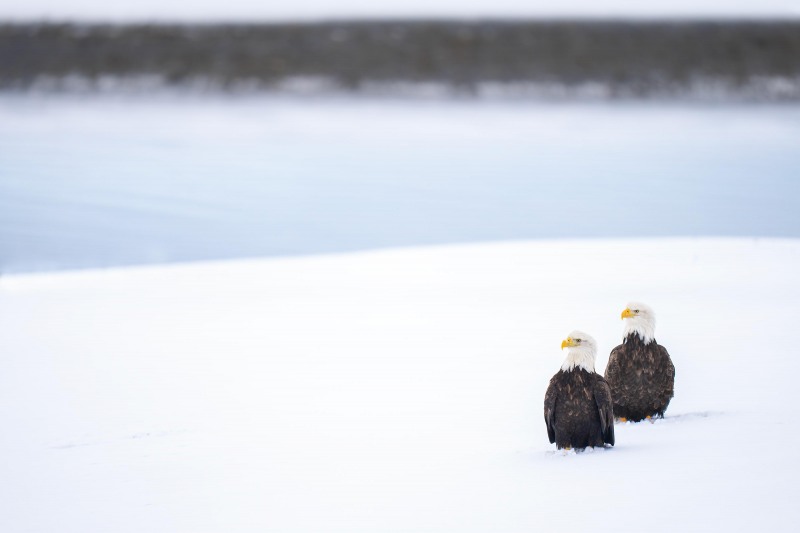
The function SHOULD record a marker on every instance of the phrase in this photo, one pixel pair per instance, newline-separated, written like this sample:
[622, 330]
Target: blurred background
[136, 132]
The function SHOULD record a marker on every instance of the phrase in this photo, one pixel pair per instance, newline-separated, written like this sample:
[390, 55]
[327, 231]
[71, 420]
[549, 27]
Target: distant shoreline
[752, 60]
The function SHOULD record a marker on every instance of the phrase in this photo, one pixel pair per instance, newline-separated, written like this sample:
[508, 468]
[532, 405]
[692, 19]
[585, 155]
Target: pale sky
[259, 10]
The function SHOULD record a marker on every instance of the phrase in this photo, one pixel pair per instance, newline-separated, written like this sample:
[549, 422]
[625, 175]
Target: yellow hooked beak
[567, 343]
[626, 313]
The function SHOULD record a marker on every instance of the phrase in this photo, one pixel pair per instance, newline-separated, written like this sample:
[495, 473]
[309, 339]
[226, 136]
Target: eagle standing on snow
[640, 371]
[577, 405]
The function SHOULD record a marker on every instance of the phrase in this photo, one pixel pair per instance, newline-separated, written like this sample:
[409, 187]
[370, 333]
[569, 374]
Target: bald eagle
[577, 406]
[640, 371]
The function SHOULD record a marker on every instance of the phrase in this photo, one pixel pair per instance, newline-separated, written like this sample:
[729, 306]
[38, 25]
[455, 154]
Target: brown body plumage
[578, 410]
[641, 377]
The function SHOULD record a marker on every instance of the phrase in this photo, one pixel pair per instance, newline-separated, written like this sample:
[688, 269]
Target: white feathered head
[640, 319]
[582, 351]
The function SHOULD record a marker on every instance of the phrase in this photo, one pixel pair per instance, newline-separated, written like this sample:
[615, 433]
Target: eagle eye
[636, 311]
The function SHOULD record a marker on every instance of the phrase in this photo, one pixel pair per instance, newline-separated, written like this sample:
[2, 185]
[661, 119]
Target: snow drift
[396, 390]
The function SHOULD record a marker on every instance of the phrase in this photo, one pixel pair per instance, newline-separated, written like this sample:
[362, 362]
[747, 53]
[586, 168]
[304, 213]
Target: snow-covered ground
[397, 390]
[255, 10]
[111, 180]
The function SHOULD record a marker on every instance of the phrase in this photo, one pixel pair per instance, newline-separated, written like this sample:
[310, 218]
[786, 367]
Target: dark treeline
[633, 57]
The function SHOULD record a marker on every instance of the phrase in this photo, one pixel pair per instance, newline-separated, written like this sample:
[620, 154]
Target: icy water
[102, 181]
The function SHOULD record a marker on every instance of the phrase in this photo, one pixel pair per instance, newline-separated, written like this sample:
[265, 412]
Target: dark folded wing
[602, 396]
[550, 398]
[612, 368]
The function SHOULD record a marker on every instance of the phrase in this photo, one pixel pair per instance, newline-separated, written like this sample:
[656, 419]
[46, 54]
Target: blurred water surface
[114, 180]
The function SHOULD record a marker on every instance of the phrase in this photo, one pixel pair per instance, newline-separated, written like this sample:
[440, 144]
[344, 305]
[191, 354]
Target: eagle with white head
[577, 405]
[640, 371]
